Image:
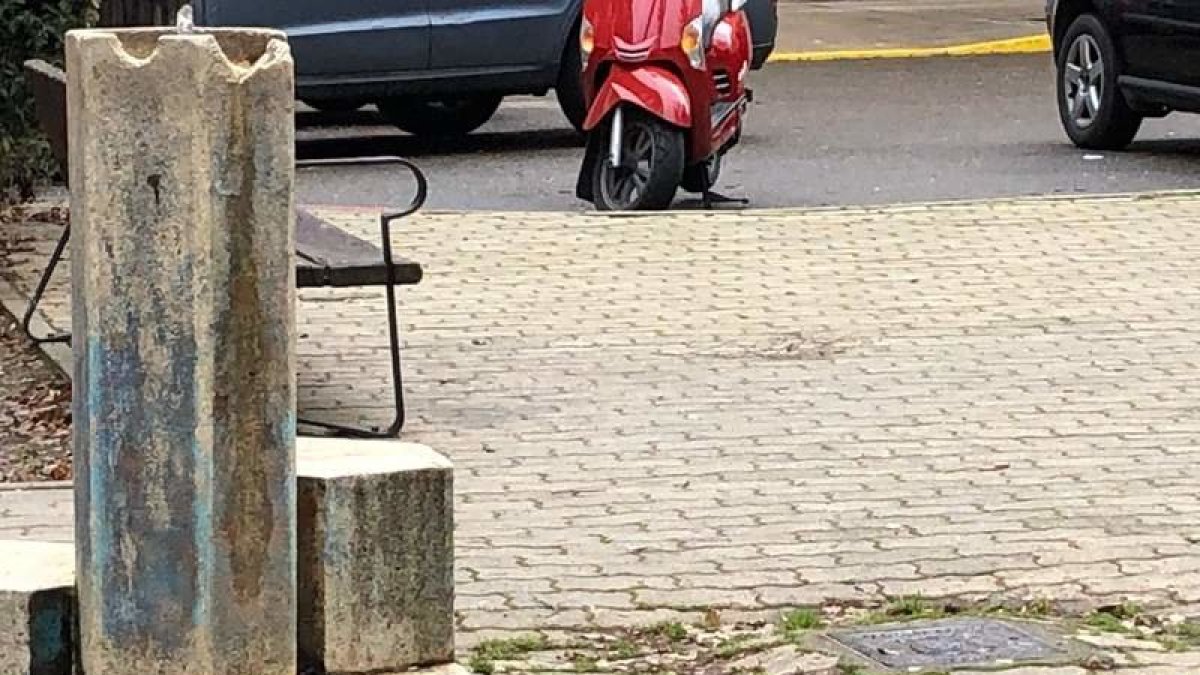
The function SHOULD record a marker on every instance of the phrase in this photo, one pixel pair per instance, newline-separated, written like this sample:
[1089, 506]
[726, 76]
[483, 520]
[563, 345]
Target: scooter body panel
[728, 58]
[637, 31]
[649, 87]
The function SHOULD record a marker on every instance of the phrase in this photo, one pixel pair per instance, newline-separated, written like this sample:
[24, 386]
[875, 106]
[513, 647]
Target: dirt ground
[35, 411]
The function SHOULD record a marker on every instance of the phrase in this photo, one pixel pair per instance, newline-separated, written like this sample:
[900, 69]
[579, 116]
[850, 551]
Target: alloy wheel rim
[1083, 81]
[623, 186]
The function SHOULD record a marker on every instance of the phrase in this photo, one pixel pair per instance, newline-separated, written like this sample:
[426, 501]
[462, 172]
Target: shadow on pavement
[345, 135]
[1182, 147]
[1170, 151]
[365, 145]
[352, 118]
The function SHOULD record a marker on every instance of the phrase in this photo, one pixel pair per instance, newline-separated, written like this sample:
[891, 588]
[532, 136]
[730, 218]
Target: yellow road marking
[1032, 44]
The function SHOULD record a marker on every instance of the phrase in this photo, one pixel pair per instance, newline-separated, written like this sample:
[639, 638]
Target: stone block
[376, 556]
[37, 600]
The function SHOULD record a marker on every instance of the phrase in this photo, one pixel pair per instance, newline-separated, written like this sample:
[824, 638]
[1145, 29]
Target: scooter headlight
[587, 40]
[692, 42]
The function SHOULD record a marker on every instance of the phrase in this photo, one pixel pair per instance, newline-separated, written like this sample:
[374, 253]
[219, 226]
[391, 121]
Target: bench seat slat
[328, 256]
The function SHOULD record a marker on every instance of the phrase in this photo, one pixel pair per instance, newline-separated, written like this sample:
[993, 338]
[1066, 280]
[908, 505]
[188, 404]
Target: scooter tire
[666, 166]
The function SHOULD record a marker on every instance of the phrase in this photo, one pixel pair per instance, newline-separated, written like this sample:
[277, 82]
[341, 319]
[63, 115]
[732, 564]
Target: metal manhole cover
[949, 643]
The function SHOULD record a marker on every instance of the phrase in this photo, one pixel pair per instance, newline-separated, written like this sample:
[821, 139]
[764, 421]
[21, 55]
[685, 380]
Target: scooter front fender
[654, 89]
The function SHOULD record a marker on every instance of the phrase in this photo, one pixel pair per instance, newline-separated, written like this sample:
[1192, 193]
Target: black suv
[1121, 61]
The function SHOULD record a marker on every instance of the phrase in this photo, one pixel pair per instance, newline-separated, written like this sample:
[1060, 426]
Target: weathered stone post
[182, 245]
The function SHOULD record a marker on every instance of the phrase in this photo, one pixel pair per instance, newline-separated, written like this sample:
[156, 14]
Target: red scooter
[665, 84]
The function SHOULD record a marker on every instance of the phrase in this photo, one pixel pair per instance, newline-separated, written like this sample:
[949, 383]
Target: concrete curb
[1031, 44]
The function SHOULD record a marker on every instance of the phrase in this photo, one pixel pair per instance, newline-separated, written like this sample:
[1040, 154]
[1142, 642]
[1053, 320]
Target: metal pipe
[615, 137]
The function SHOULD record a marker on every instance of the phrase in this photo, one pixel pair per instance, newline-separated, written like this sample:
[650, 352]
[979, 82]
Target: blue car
[438, 67]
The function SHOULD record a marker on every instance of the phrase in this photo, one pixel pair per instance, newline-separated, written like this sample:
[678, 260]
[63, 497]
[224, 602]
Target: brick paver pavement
[768, 409]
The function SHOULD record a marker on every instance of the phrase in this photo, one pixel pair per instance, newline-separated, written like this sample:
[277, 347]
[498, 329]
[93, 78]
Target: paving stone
[1168, 566]
[1182, 662]
[996, 395]
[697, 598]
[588, 600]
[788, 660]
[817, 594]
[974, 566]
[1059, 574]
[852, 574]
[603, 618]
[943, 587]
[507, 620]
[1120, 642]
[738, 580]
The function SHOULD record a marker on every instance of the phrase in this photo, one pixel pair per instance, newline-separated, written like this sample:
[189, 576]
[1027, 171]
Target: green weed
[586, 664]
[799, 620]
[624, 650]
[671, 630]
[481, 665]
[734, 646]
[510, 649]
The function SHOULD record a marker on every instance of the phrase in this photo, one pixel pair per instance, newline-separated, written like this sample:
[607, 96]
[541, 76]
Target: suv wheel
[440, 117]
[1092, 107]
[569, 89]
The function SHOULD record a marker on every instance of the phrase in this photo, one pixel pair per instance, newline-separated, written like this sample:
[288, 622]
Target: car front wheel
[440, 117]
[569, 88]
[1092, 107]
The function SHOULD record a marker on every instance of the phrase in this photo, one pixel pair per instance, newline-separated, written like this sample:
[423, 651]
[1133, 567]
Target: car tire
[658, 180]
[1091, 106]
[440, 117]
[569, 89]
[335, 105]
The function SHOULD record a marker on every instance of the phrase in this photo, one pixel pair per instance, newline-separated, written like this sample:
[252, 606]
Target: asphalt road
[820, 134]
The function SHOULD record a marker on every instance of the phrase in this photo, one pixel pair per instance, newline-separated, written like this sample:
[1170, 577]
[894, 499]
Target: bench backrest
[49, 87]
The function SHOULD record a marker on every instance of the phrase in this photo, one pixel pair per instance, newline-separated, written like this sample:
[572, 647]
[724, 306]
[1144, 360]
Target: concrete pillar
[37, 603]
[183, 312]
[376, 537]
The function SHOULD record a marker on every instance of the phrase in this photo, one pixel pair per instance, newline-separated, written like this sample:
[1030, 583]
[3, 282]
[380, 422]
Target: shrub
[30, 29]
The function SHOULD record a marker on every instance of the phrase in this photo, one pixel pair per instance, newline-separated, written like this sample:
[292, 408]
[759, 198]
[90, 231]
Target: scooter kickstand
[710, 198]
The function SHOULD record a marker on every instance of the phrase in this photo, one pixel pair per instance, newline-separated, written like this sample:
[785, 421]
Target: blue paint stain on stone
[143, 494]
[286, 430]
[203, 533]
[99, 539]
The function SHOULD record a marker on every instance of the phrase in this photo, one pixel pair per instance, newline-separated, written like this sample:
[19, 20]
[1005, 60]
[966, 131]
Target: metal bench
[326, 256]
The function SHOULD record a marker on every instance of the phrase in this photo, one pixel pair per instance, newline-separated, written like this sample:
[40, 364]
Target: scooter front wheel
[651, 160]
